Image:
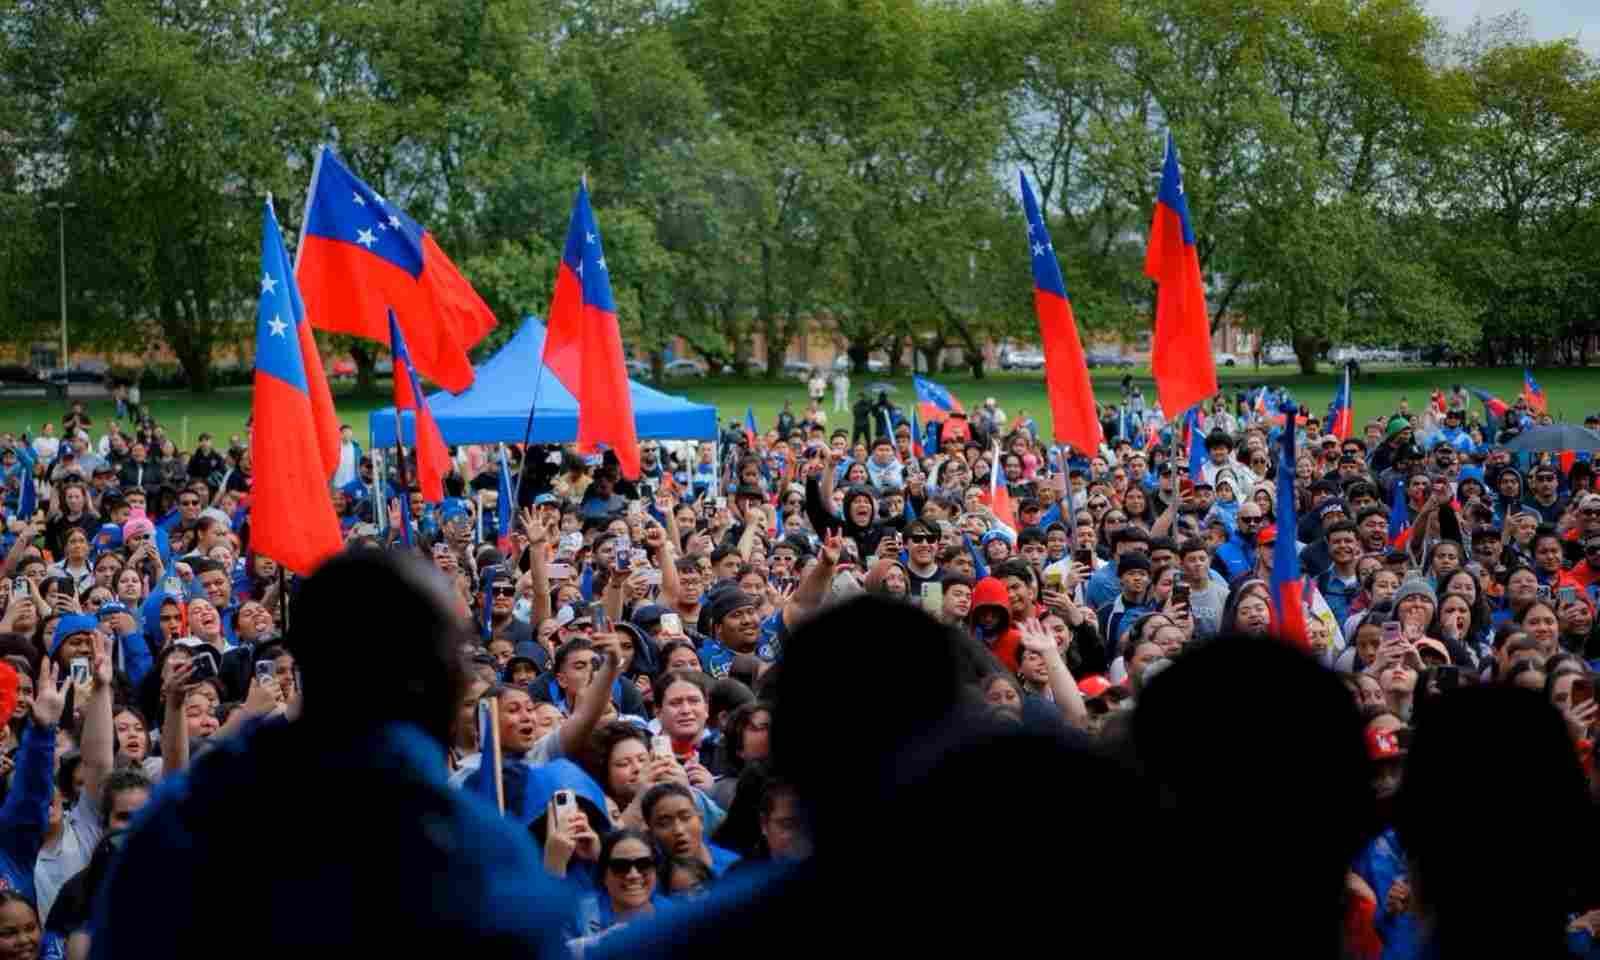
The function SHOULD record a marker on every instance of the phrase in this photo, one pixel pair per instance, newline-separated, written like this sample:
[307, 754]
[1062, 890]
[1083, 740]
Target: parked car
[1021, 360]
[1105, 358]
[383, 366]
[638, 369]
[1279, 355]
[874, 365]
[1226, 360]
[76, 375]
[799, 369]
[685, 367]
[17, 375]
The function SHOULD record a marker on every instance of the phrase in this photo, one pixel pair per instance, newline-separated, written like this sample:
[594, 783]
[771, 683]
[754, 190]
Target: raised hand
[49, 697]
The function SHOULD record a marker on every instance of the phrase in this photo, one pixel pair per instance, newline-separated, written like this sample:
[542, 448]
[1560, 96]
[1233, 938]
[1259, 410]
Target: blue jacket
[1236, 555]
[405, 860]
[26, 812]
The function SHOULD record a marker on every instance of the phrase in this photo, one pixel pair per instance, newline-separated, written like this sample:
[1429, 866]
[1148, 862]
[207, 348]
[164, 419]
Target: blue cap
[453, 508]
[108, 537]
[112, 607]
[545, 498]
[70, 624]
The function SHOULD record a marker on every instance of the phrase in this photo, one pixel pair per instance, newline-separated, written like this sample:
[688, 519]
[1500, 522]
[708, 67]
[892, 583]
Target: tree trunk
[1305, 350]
[366, 359]
[932, 354]
[896, 358]
[857, 352]
[658, 364]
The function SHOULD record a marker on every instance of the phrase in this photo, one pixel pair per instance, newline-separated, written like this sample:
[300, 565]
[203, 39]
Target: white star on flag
[277, 326]
[588, 238]
[394, 221]
[365, 238]
[1038, 249]
[382, 225]
[580, 268]
[601, 263]
[357, 198]
[268, 284]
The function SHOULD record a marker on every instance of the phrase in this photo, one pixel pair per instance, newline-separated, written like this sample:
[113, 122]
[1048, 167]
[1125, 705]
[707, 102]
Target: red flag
[1066, 374]
[1180, 355]
[1000, 494]
[291, 512]
[360, 256]
[433, 457]
[583, 345]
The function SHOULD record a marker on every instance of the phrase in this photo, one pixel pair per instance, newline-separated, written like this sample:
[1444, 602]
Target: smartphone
[559, 571]
[1582, 690]
[638, 557]
[1180, 593]
[1568, 595]
[1391, 631]
[80, 670]
[661, 746]
[564, 802]
[671, 623]
[265, 671]
[1543, 592]
[722, 503]
[20, 587]
[620, 556]
[203, 666]
[597, 616]
[1053, 580]
[1083, 556]
[933, 598]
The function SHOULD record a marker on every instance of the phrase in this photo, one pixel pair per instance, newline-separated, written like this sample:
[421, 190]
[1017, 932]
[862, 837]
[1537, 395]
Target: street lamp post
[61, 209]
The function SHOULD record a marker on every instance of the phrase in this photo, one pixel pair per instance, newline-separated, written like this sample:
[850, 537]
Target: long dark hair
[609, 843]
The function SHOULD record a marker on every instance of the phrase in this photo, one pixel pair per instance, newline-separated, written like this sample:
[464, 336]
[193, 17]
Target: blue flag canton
[402, 362]
[1285, 558]
[344, 208]
[1046, 268]
[1172, 193]
[585, 256]
[929, 391]
[278, 312]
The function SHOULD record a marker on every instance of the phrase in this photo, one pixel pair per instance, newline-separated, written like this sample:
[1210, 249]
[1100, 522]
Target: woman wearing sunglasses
[628, 872]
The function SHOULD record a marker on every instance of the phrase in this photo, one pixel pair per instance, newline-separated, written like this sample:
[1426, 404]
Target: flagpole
[305, 211]
[499, 775]
[527, 433]
[405, 483]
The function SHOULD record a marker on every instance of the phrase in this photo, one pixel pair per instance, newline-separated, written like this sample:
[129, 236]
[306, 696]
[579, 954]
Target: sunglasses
[504, 591]
[1250, 521]
[923, 538]
[621, 868]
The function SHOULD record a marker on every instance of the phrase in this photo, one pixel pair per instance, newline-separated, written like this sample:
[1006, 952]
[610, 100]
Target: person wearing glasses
[1545, 496]
[628, 872]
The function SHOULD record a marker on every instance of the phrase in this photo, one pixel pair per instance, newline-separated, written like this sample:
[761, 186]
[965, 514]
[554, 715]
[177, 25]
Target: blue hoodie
[411, 858]
[1379, 866]
[150, 618]
[26, 811]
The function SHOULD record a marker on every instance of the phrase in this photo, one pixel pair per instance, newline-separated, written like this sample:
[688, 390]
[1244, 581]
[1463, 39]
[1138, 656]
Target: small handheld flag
[750, 430]
[1399, 516]
[1288, 591]
[1341, 415]
[934, 400]
[27, 496]
[433, 457]
[505, 507]
[1533, 393]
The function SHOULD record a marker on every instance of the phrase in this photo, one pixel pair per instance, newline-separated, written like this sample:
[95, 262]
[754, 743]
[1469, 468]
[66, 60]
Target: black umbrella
[1562, 436]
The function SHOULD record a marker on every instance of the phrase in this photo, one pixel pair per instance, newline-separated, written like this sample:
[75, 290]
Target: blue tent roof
[495, 408]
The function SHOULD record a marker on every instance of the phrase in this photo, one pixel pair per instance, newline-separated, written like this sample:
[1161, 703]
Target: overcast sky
[1549, 19]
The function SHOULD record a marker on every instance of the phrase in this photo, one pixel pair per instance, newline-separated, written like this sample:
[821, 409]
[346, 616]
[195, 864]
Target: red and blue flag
[505, 504]
[1288, 589]
[916, 435]
[934, 400]
[1533, 393]
[1066, 374]
[1197, 445]
[1493, 407]
[27, 494]
[291, 511]
[1399, 516]
[583, 345]
[433, 457]
[1341, 412]
[1180, 354]
[750, 430]
[361, 256]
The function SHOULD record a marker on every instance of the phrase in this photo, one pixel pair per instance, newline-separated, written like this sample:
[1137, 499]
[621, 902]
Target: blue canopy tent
[495, 408]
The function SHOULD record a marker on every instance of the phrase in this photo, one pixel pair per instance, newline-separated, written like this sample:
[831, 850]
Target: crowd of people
[695, 674]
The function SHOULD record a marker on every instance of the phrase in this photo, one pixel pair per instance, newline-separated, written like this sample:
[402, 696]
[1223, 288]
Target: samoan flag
[361, 256]
[481, 782]
[1533, 393]
[1288, 590]
[583, 344]
[1197, 445]
[916, 435]
[291, 511]
[1399, 516]
[750, 429]
[934, 400]
[1074, 419]
[505, 505]
[432, 456]
[27, 495]
[1341, 412]
[1494, 408]
[1180, 353]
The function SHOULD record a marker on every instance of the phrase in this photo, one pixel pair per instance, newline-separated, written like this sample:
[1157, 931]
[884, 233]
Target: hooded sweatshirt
[1005, 641]
[26, 810]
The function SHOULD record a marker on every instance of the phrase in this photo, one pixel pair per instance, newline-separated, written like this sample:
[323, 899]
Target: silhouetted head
[377, 640]
[1256, 752]
[1496, 892]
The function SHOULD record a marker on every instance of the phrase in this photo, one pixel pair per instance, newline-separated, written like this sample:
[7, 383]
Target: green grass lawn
[1573, 394]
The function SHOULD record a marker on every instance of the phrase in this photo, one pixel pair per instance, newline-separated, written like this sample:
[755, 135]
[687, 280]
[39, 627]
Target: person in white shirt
[46, 444]
[841, 392]
[349, 457]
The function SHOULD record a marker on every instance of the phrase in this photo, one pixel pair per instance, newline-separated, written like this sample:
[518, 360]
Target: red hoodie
[1007, 647]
